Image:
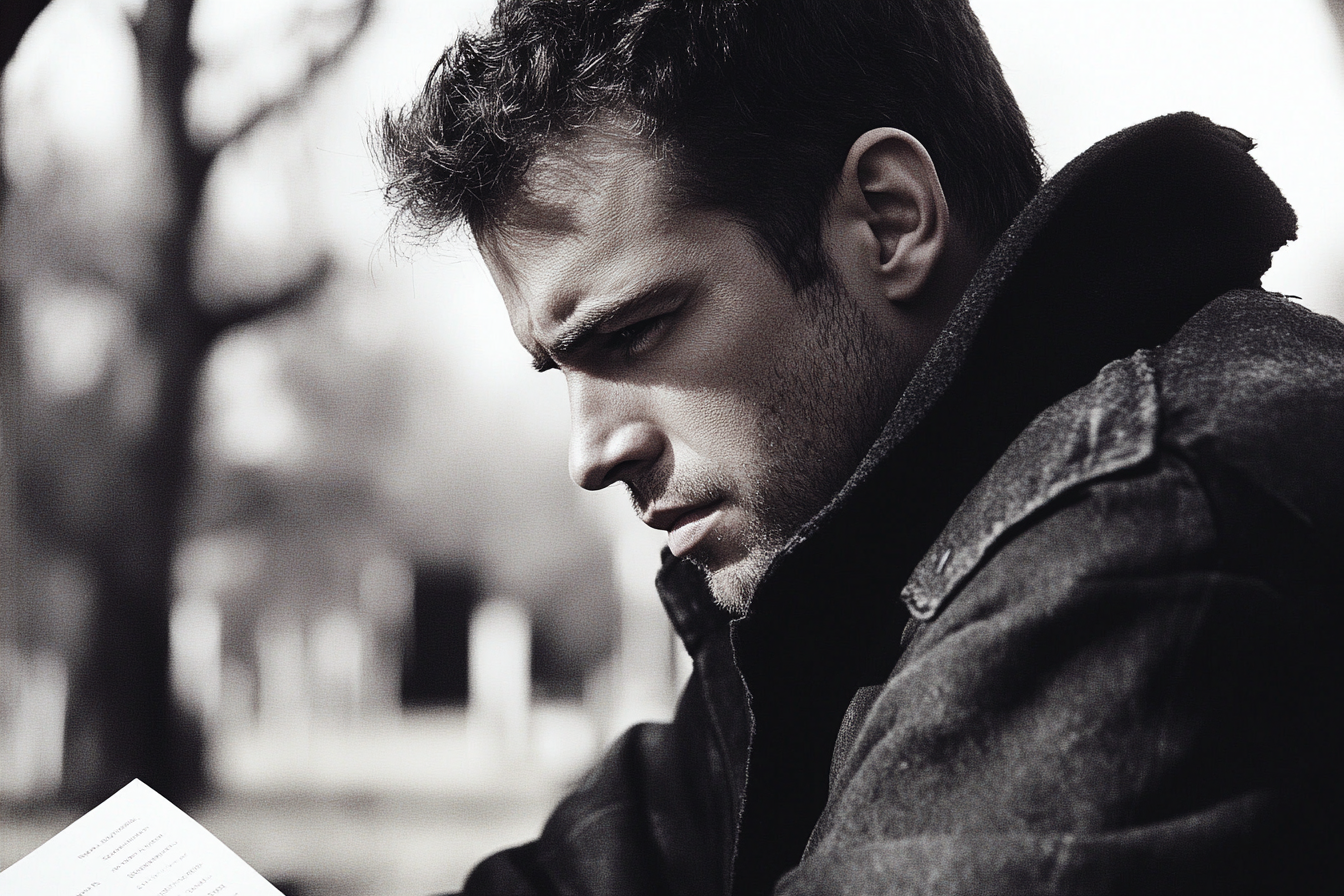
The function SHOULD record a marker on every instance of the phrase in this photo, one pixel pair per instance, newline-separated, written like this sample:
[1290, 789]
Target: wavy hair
[753, 103]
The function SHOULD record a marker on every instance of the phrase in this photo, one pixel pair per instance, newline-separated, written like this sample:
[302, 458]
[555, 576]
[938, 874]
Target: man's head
[704, 215]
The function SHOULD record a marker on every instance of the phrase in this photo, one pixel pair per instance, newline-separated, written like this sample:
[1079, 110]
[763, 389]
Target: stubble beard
[824, 411]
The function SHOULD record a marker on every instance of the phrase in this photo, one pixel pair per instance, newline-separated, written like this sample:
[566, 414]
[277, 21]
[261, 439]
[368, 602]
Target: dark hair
[755, 104]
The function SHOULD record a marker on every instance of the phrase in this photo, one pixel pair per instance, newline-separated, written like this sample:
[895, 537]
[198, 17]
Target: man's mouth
[686, 529]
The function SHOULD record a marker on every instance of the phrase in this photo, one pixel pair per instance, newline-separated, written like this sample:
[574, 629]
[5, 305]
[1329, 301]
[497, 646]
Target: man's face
[731, 406]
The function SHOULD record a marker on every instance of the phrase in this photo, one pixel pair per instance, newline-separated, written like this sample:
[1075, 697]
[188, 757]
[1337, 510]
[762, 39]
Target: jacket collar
[1113, 255]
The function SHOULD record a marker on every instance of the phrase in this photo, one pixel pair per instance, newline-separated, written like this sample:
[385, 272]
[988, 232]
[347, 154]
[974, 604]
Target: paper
[135, 843]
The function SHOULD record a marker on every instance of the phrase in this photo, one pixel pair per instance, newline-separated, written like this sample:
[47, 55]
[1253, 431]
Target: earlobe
[890, 182]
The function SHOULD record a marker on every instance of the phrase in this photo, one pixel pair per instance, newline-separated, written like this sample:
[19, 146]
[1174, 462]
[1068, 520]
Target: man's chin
[734, 584]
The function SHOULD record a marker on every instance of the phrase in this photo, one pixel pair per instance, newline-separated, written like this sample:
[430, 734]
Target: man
[1004, 522]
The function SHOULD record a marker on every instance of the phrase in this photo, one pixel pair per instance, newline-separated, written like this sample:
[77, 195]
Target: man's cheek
[720, 427]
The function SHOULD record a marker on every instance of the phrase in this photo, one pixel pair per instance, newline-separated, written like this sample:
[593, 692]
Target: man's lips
[685, 526]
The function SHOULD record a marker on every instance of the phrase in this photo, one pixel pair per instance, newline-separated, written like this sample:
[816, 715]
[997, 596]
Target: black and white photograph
[671, 447]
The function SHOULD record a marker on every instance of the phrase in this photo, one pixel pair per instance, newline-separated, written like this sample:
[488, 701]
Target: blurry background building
[286, 525]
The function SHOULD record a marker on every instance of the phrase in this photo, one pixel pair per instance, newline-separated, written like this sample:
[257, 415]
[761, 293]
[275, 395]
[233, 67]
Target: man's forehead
[582, 181]
[582, 203]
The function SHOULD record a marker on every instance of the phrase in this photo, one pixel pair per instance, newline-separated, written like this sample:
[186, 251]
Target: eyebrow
[587, 323]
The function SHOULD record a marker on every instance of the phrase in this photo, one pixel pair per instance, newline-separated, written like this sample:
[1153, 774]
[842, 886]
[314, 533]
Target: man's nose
[610, 438]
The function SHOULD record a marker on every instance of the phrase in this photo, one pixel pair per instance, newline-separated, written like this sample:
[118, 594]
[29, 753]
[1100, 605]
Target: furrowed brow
[589, 322]
[583, 326]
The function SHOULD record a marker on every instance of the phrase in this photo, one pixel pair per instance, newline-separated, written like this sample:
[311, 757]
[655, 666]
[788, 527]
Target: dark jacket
[1070, 626]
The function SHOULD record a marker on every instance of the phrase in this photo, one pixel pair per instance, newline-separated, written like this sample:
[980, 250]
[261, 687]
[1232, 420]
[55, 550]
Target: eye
[635, 338]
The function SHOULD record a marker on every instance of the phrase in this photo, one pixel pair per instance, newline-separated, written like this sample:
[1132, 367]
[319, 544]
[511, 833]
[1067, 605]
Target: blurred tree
[15, 17]
[116, 509]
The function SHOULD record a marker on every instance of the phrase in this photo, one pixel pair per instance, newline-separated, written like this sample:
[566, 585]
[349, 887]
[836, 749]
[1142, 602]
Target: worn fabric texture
[1071, 625]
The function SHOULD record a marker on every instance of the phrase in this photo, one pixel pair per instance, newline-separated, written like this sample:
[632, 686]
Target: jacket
[1068, 628]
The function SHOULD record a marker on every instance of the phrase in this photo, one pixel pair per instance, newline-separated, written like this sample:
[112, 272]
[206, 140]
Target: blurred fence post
[195, 660]
[33, 689]
[499, 675]
[282, 679]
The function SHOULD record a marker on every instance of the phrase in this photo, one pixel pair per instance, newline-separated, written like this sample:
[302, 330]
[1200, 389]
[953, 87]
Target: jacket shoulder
[1251, 362]
[1251, 392]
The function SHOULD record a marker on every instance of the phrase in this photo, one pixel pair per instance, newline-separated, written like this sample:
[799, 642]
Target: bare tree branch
[317, 66]
[296, 296]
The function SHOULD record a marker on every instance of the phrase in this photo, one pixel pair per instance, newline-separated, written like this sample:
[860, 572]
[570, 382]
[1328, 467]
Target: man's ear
[887, 223]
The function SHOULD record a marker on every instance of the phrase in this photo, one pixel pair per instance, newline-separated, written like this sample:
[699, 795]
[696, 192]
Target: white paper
[135, 843]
